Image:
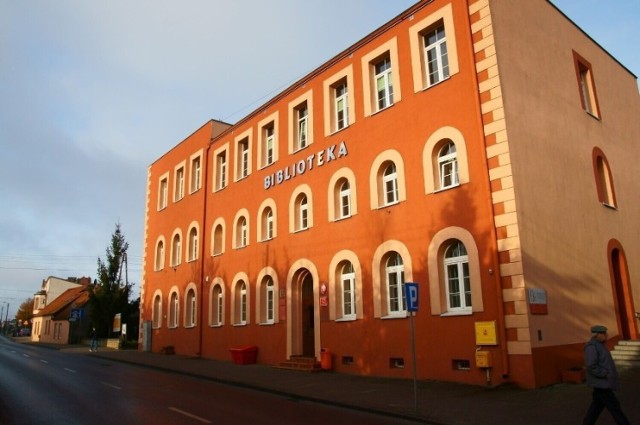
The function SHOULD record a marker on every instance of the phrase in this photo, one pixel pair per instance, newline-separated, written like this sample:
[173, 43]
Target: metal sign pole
[411, 296]
[415, 373]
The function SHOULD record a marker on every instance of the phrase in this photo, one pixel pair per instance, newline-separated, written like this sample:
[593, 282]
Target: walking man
[94, 340]
[602, 376]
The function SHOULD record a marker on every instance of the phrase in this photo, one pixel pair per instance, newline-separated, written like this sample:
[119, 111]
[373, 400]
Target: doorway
[304, 319]
[622, 292]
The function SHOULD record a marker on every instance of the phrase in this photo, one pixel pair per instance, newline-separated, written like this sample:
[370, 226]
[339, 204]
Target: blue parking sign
[411, 295]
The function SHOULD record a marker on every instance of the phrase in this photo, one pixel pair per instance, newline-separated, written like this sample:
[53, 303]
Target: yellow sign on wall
[486, 333]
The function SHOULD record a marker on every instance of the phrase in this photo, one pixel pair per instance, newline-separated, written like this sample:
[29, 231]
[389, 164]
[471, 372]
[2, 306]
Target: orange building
[485, 150]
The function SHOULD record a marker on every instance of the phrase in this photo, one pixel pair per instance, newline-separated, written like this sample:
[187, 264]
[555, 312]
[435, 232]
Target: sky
[92, 93]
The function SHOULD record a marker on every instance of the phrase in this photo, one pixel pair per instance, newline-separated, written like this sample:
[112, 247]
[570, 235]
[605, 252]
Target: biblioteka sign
[318, 159]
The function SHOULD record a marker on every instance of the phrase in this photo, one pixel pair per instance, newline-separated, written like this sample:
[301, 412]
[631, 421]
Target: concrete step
[303, 364]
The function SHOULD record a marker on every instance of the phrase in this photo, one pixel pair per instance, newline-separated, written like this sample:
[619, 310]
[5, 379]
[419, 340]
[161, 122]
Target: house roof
[78, 296]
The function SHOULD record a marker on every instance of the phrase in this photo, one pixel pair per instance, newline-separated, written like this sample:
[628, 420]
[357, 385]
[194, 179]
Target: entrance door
[623, 300]
[308, 317]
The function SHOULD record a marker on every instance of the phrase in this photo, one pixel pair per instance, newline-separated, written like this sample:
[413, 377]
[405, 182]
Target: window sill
[217, 254]
[376, 112]
[400, 315]
[194, 191]
[216, 326]
[592, 115]
[436, 84]
[267, 324]
[266, 240]
[301, 230]
[239, 324]
[342, 218]
[336, 131]
[190, 326]
[391, 204]
[457, 313]
[444, 189]
[300, 149]
[609, 206]
[347, 319]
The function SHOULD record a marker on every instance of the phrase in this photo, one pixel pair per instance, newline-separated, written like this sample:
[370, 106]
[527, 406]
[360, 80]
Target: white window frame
[296, 121]
[341, 98]
[242, 303]
[448, 166]
[193, 243]
[462, 279]
[156, 315]
[190, 303]
[268, 134]
[195, 177]
[217, 306]
[178, 188]
[390, 185]
[348, 296]
[436, 54]
[221, 167]
[394, 281]
[163, 191]
[303, 212]
[159, 260]
[302, 125]
[176, 249]
[174, 310]
[241, 232]
[383, 80]
[268, 223]
[344, 197]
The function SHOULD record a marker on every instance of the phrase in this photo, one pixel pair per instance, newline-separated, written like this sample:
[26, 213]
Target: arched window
[156, 319]
[390, 185]
[394, 273]
[174, 307]
[348, 290]
[268, 300]
[190, 308]
[217, 240]
[302, 212]
[604, 179]
[301, 209]
[344, 199]
[176, 250]
[267, 224]
[217, 306]
[242, 233]
[159, 263]
[456, 270]
[241, 303]
[448, 166]
[192, 254]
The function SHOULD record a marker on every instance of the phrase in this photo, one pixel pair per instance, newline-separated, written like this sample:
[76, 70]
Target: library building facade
[483, 150]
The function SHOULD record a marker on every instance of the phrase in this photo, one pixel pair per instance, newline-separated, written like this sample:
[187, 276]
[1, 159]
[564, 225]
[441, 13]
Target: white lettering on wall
[322, 157]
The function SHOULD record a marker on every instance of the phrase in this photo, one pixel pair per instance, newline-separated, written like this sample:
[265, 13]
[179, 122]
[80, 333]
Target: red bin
[325, 359]
[244, 355]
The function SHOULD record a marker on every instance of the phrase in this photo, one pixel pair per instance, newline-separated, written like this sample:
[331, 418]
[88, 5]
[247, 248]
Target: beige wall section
[556, 224]
[145, 251]
[500, 173]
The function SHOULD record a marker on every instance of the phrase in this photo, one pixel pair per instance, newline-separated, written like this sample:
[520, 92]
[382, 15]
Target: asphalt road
[44, 386]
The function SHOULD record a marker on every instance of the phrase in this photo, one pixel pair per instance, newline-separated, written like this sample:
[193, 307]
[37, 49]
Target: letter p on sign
[411, 294]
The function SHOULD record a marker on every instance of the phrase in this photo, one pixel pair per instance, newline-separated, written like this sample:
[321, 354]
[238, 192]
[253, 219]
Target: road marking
[26, 355]
[197, 418]
[111, 385]
[44, 361]
[70, 370]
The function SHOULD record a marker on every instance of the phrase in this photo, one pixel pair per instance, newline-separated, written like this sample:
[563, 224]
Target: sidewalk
[439, 403]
